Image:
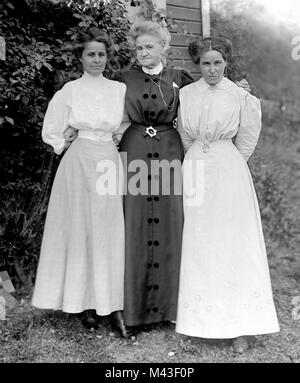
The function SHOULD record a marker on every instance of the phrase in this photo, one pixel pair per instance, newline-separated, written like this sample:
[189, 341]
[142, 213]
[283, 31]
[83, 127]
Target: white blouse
[210, 113]
[89, 104]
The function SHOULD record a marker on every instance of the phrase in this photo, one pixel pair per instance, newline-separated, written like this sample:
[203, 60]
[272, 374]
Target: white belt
[95, 135]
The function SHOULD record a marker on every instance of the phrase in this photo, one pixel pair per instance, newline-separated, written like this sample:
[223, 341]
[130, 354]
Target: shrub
[278, 227]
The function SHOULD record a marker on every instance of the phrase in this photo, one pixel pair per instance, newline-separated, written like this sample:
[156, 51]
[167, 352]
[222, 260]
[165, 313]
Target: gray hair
[140, 28]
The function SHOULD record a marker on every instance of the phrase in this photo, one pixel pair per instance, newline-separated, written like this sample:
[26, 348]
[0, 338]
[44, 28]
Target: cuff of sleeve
[59, 149]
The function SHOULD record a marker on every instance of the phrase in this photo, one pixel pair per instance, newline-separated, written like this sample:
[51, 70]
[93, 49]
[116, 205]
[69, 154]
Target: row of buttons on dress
[150, 220]
[155, 243]
[155, 309]
[149, 114]
[155, 220]
[154, 287]
[155, 265]
[149, 199]
[145, 95]
[150, 155]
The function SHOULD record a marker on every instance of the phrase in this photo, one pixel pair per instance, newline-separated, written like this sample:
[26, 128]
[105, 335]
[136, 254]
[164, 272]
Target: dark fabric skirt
[153, 230]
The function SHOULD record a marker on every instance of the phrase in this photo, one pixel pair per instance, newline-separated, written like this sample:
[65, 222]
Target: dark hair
[199, 46]
[89, 35]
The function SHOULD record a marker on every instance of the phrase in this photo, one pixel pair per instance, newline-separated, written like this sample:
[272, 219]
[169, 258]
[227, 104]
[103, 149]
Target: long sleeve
[56, 119]
[123, 126]
[250, 125]
[186, 138]
[119, 76]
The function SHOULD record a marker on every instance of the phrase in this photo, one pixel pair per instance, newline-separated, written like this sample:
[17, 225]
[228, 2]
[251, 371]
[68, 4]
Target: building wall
[186, 25]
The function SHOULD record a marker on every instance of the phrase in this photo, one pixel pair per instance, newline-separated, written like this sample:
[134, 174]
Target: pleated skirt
[225, 287]
[81, 263]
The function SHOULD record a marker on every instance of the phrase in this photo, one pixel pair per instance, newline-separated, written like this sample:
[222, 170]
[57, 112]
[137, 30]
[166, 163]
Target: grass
[32, 335]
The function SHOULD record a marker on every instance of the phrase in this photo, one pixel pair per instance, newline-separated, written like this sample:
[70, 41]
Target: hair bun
[199, 46]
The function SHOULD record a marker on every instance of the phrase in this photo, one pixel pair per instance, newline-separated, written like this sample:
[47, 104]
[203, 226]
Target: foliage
[39, 36]
[262, 47]
[279, 228]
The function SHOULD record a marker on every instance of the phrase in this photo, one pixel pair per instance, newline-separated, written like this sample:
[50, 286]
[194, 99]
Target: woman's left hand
[244, 84]
[70, 134]
[117, 142]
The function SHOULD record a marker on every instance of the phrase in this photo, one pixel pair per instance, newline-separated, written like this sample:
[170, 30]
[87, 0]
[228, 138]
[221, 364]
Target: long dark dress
[153, 223]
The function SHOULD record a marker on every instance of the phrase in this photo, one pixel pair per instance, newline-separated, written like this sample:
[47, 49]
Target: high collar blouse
[156, 70]
[91, 103]
[222, 111]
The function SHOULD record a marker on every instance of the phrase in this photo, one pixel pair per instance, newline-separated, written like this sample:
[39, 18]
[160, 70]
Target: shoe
[119, 325]
[89, 320]
[240, 344]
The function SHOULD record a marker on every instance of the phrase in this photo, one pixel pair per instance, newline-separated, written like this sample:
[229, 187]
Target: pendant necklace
[169, 107]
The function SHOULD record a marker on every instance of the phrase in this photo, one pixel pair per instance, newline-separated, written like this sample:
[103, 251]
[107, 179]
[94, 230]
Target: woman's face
[212, 66]
[94, 58]
[149, 50]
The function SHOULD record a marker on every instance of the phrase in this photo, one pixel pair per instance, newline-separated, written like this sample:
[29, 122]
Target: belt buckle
[151, 131]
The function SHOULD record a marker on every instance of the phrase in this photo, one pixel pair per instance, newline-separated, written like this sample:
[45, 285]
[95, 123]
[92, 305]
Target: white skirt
[81, 263]
[225, 288]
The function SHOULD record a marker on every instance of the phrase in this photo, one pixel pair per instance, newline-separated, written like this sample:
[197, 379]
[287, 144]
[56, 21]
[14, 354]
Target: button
[155, 79]
[156, 265]
[149, 155]
[156, 220]
[147, 79]
[149, 177]
[149, 243]
[156, 154]
[154, 96]
[155, 309]
[155, 287]
[145, 95]
[152, 114]
[149, 199]
[156, 243]
[148, 311]
[149, 265]
[150, 220]
[156, 198]
[149, 288]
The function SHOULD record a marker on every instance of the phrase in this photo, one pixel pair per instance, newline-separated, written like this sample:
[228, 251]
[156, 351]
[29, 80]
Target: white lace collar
[155, 70]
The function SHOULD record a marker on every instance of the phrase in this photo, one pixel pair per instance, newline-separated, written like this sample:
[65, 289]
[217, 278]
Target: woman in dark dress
[153, 221]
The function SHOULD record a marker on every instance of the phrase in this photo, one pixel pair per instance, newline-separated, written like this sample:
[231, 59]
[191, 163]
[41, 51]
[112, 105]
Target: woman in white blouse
[225, 289]
[81, 266]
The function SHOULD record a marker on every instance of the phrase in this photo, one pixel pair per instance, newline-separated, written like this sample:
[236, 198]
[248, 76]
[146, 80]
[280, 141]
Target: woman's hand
[244, 84]
[69, 135]
[116, 141]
